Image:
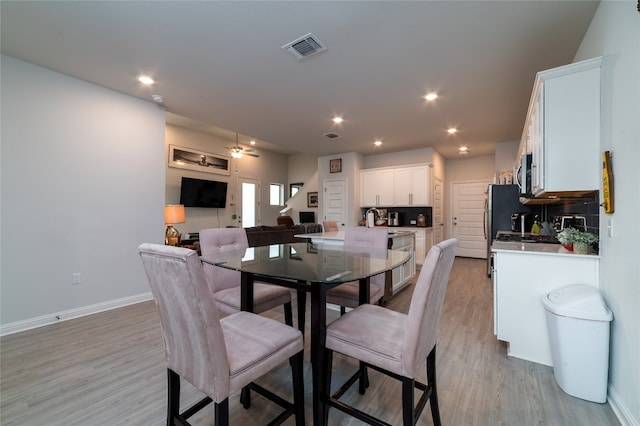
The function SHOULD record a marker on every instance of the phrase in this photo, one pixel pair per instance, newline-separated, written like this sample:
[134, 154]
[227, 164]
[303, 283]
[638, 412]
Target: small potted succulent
[577, 241]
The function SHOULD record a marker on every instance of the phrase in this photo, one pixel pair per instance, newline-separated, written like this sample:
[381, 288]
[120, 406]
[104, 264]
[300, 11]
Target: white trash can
[578, 322]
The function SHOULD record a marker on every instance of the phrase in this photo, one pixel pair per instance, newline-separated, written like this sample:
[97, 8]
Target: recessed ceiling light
[452, 130]
[337, 120]
[252, 142]
[145, 79]
[377, 143]
[463, 148]
[431, 96]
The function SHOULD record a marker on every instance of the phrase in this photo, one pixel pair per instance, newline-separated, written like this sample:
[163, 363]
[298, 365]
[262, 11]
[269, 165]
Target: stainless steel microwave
[523, 175]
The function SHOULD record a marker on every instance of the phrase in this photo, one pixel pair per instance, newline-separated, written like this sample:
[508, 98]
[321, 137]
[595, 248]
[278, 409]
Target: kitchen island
[523, 273]
[398, 240]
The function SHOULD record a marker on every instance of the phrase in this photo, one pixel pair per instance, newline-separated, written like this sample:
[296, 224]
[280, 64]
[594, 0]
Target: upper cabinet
[377, 187]
[395, 187]
[562, 131]
[411, 186]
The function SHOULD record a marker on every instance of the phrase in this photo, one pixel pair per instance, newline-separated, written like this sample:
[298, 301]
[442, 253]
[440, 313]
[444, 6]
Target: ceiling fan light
[236, 153]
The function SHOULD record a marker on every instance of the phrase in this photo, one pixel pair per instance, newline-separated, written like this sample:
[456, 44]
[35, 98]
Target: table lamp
[173, 214]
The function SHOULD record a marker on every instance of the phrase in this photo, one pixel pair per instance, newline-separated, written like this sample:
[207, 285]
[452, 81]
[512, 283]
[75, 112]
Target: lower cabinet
[423, 242]
[520, 279]
[401, 275]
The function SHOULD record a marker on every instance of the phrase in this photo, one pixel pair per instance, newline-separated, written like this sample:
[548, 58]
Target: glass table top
[322, 263]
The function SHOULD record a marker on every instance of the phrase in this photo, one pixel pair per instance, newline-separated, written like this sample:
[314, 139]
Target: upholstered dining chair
[217, 356]
[225, 283]
[347, 295]
[285, 220]
[398, 344]
[330, 225]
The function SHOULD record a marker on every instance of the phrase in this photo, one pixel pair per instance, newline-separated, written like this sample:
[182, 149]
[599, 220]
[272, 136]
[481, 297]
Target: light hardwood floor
[108, 369]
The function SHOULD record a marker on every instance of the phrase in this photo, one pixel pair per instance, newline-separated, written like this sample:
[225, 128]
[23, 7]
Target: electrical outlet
[75, 278]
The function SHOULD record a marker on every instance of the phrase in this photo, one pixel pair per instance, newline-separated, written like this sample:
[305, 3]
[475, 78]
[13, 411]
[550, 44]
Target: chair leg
[245, 397]
[364, 378]
[326, 384]
[343, 310]
[302, 306]
[408, 415]
[431, 383]
[173, 403]
[288, 314]
[221, 413]
[296, 362]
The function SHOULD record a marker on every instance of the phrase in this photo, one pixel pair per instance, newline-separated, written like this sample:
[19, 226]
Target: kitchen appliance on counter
[421, 221]
[502, 201]
[393, 218]
[569, 221]
[528, 237]
[521, 222]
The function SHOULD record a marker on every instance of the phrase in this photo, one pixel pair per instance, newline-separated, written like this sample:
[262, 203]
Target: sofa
[265, 235]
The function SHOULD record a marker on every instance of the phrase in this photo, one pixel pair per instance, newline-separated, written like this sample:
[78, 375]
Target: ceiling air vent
[305, 46]
[332, 135]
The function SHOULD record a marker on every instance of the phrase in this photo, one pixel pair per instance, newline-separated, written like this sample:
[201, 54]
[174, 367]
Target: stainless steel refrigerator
[502, 201]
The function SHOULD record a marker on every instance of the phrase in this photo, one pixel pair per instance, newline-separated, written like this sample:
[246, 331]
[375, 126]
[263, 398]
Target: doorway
[335, 201]
[467, 218]
[249, 199]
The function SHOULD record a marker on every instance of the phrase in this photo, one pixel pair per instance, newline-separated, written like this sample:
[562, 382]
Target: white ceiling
[220, 64]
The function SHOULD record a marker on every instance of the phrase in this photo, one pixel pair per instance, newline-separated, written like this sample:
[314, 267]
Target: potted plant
[577, 241]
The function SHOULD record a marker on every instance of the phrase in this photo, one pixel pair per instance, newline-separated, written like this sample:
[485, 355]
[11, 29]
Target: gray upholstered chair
[218, 356]
[398, 344]
[225, 283]
[347, 295]
[330, 225]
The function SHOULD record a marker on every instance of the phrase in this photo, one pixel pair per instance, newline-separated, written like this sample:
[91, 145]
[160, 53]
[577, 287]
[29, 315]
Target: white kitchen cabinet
[562, 130]
[376, 187]
[403, 274]
[520, 279]
[423, 242]
[411, 186]
[390, 187]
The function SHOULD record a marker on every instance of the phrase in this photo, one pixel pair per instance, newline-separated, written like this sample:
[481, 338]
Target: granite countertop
[536, 248]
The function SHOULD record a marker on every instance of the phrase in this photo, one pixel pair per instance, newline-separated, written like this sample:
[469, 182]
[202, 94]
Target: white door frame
[256, 182]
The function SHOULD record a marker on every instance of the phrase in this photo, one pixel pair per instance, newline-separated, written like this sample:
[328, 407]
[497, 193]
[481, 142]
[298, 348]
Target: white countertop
[339, 235]
[535, 248]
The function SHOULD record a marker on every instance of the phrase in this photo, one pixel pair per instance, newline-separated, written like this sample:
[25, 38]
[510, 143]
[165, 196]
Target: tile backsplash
[588, 207]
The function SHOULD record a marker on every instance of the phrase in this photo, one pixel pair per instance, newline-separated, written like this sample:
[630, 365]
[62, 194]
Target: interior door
[335, 201]
[438, 219]
[467, 218]
[249, 199]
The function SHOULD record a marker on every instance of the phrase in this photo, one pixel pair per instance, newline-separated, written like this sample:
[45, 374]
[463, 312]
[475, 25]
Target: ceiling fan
[238, 152]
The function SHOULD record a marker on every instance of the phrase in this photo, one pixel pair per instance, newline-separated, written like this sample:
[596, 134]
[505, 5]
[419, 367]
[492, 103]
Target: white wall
[351, 165]
[414, 156]
[302, 168]
[269, 168]
[82, 186]
[614, 34]
[506, 155]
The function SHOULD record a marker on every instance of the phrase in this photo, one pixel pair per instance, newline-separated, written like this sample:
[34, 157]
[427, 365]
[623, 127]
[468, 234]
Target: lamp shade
[173, 214]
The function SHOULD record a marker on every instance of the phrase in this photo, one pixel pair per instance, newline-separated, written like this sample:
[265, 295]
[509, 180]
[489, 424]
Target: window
[276, 194]
[294, 188]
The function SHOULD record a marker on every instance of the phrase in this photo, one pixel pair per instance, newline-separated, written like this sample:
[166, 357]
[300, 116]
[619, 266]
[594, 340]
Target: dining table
[312, 268]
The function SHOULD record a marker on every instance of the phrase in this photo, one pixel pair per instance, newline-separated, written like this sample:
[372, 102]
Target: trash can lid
[577, 301]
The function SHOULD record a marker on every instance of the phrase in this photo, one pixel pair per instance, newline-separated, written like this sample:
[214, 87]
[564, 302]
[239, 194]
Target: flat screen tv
[203, 193]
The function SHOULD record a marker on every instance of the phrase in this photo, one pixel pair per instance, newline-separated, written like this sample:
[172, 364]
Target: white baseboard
[620, 409]
[15, 327]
